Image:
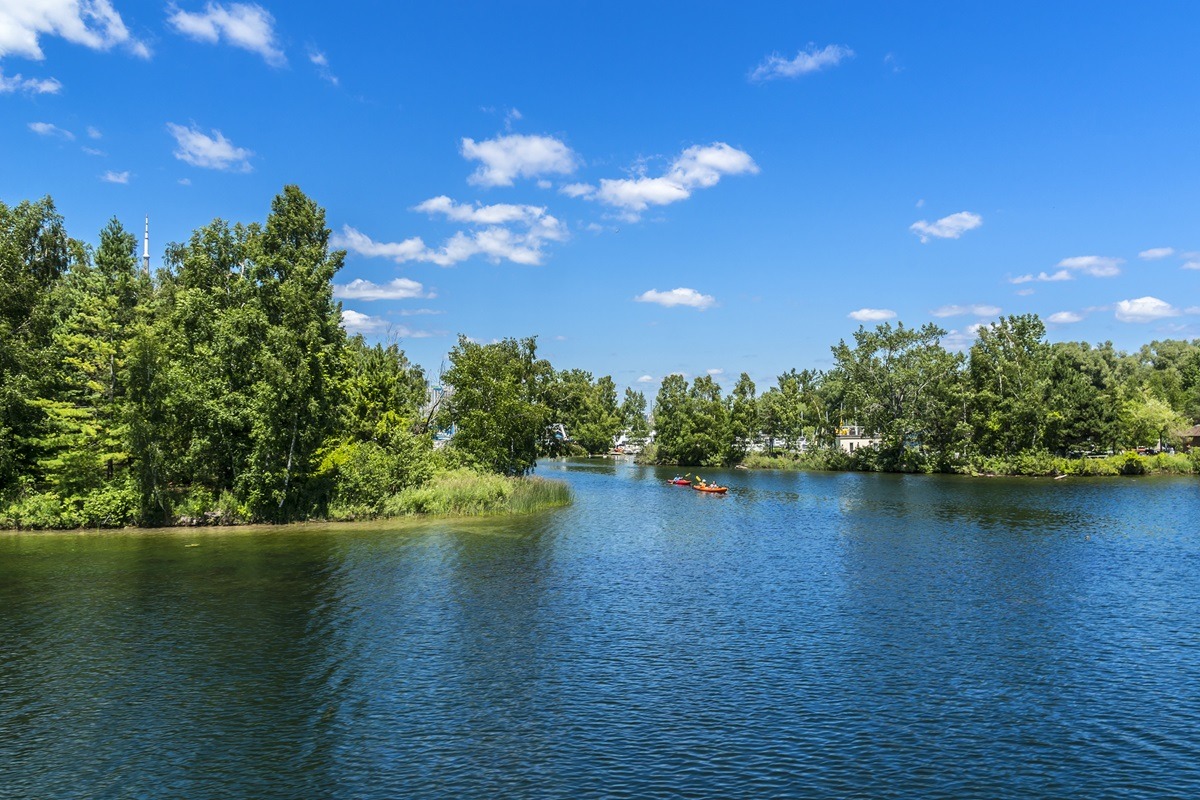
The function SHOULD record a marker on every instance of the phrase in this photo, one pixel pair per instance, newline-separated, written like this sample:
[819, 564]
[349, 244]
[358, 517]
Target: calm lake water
[808, 635]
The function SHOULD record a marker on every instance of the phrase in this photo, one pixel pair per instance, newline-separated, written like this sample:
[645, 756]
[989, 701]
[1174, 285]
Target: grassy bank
[1030, 464]
[458, 492]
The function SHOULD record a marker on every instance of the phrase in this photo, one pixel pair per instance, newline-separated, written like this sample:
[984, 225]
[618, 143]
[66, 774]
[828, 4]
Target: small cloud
[418, 312]
[958, 311]
[677, 297]
[1096, 266]
[1024, 292]
[48, 129]
[560, 338]
[355, 322]
[115, 177]
[1156, 252]
[1144, 309]
[890, 61]
[91, 151]
[1192, 310]
[872, 314]
[645, 379]
[517, 156]
[959, 341]
[806, 62]
[19, 83]
[1064, 317]
[1060, 275]
[1191, 264]
[544, 184]
[184, 181]
[243, 25]
[950, 227]
[399, 289]
[94, 132]
[715, 372]
[209, 152]
[578, 190]
[318, 60]
[921, 203]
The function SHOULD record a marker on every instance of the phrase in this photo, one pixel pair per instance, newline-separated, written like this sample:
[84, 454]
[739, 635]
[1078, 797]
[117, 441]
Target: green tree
[495, 406]
[1009, 374]
[633, 416]
[743, 419]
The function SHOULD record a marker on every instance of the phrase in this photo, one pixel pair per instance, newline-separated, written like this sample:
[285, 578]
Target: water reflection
[817, 635]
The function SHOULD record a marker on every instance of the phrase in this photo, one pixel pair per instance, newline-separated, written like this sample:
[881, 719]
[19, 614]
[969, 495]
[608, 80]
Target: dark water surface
[809, 635]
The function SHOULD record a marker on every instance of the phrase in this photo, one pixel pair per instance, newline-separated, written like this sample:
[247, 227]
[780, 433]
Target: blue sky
[648, 188]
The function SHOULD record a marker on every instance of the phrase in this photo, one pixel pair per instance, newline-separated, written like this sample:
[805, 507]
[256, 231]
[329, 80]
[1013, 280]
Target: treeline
[1006, 405]
[225, 389]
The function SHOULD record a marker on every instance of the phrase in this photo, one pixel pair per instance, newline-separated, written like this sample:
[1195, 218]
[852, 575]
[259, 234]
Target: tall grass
[464, 492]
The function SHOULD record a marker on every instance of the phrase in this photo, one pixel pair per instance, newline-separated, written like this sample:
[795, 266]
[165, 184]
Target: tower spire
[146, 248]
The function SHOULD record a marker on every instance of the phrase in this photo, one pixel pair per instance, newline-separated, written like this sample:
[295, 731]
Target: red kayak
[680, 482]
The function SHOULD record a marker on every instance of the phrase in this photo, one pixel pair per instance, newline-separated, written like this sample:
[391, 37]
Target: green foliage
[496, 406]
[464, 492]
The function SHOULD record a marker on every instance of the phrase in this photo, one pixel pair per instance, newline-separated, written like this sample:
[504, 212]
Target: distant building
[855, 437]
[1191, 437]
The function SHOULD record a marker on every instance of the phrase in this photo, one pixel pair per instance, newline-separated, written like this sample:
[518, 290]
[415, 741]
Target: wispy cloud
[51, 130]
[1194, 264]
[506, 158]
[872, 314]
[950, 227]
[1156, 252]
[646, 379]
[210, 152]
[697, 167]
[19, 83]
[959, 341]
[1044, 277]
[398, 289]
[677, 297]
[1064, 317]
[115, 177]
[94, 133]
[1144, 309]
[958, 311]
[806, 62]
[319, 60]
[247, 26]
[95, 24]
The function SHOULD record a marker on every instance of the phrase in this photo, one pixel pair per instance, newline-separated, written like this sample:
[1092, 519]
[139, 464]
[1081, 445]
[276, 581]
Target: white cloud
[697, 167]
[715, 372]
[1191, 265]
[1064, 317]
[872, 314]
[1192, 310]
[517, 156]
[319, 60]
[578, 190]
[1060, 275]
[1096, 266]
[1024, 292]
[1144, 309]
[95, 24]
[94, 133]
[184, 181]
[958, 311]
[244, 25]
[677, 297]
[47, 129]
[805, 62]
[950, 227]
[495, 242]
[399, 289]
[115, 177]
[1156, 253]
[645, 379]
[961, 340]
[91, 151]
[209, 152]
[19, 83]
[355, 322]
